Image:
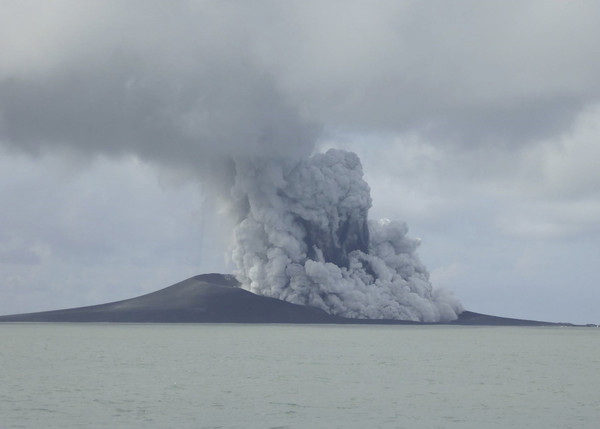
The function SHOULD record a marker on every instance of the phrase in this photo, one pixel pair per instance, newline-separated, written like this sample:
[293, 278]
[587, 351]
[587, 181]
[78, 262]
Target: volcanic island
[218, 298]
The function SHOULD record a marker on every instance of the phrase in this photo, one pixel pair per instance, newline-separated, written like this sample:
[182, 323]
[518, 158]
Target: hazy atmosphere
[137, 138]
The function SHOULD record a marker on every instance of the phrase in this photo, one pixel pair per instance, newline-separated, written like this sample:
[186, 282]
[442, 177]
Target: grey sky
[478, 124]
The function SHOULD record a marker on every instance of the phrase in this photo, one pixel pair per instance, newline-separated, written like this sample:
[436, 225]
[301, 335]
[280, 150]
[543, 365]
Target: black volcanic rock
[217, 298]
[208, 298]
[478, 319]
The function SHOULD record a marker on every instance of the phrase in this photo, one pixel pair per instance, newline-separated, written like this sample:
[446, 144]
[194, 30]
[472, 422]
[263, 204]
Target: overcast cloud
[477, 123]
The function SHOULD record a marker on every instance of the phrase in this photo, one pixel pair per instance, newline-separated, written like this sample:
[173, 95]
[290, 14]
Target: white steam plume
[306, 239]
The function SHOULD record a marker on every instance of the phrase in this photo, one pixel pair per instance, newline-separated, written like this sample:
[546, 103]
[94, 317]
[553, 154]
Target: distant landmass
[217, 298]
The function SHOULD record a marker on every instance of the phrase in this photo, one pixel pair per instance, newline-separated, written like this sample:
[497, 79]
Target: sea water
[297, 376]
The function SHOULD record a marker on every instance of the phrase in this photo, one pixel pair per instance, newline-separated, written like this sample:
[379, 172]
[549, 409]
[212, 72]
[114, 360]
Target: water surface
[297, 376]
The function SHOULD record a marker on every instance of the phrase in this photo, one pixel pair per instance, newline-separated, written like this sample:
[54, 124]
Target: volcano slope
[217, 298]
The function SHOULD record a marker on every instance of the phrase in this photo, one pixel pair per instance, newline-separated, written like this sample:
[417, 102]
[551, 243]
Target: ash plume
[306, 238]
[206, 94]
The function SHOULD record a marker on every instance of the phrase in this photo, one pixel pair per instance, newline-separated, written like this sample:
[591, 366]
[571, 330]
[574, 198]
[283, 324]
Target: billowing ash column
[305, 238]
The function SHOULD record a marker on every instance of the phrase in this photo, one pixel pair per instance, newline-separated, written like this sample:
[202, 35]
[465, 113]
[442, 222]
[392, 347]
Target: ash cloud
[237, 95]
[303, 235]
[306, 238]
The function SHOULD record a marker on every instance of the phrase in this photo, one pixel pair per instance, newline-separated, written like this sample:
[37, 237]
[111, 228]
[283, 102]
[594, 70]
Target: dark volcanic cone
[208, 298]
[217, 298]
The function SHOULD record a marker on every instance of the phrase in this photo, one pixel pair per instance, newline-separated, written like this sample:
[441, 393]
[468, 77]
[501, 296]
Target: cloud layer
[476, 123]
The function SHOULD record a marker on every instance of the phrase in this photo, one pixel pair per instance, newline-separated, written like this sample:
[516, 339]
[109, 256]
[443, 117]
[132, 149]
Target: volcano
[217, 298]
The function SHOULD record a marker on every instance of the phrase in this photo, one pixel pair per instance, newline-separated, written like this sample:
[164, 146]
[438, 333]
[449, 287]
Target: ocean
[297, 376]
